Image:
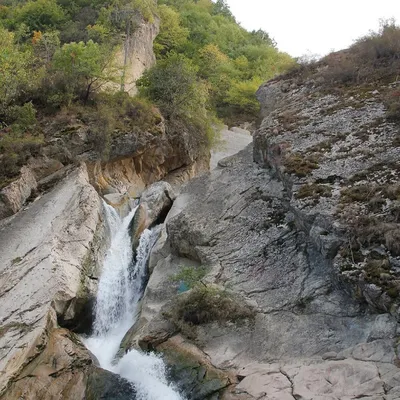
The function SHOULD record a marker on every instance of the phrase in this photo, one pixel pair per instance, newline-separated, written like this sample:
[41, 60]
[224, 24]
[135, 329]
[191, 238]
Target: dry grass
[315, 191]
[375, 57]
[300, 165]
[392, 102]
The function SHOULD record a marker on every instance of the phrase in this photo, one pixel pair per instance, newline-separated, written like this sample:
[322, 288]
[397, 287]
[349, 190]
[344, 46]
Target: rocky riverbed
[275, 276]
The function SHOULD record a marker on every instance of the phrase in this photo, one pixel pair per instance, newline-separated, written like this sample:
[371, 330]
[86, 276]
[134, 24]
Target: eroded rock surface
[309, 338]
[49, 254]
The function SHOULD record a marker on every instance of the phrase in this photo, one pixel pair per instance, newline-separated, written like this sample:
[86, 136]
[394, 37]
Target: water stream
[120, 289]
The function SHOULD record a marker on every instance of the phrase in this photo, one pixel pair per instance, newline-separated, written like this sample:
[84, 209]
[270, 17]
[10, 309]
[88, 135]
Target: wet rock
[123, 203]
[138, 224]
[158, 198]
[191, 370]
[105, 385]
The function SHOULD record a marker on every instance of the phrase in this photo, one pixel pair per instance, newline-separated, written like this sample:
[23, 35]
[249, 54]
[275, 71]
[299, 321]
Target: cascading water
[120, 289]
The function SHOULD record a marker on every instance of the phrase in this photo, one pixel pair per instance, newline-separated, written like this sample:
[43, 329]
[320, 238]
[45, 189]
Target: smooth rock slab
[43, 252]
[342, 380]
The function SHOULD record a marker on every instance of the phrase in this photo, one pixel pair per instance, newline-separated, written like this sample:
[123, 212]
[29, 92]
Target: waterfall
[120, 289]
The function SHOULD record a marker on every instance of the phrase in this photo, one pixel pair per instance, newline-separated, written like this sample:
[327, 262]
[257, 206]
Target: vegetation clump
[300, 164]
[314, 190]
[372, 59]
[231, 61]
[205, 304]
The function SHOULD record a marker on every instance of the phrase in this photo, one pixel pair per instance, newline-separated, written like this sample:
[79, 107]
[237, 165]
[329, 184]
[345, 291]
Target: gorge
[136, 264]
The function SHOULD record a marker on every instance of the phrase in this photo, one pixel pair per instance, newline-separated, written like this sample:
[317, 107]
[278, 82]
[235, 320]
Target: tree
[174, 86]
[85, 68]
[45, 44]
[172, 34]
[261, 37]
[40, 15]
[242, 96]
[211, 60]
[221, 7]
[17, 73]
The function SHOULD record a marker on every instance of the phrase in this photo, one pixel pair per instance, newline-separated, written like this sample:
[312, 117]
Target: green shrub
[190, 276]
[172, 84]
[205, 304]
[40, 15]
[18, 75]
[84, 68]
[15, 151]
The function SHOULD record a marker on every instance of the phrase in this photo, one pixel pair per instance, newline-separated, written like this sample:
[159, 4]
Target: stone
[49, 253]
[331, 355]
[337, 379]
[42, 167]
[138, 224]
[231, 142]
[121, 202]
[137, 54]
[14, 196]
[191, 370]
[158, 199]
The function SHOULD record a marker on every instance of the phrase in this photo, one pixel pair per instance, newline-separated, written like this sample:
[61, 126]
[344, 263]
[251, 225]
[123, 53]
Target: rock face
[137, 54]
[48, 273]
[14, 196]
[283, 233]
[232, 141]
[338, 158]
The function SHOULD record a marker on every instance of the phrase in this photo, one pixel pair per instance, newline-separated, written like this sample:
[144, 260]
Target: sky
[314, 27]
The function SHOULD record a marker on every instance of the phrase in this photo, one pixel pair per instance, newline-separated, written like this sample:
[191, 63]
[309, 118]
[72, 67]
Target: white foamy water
[120, 289]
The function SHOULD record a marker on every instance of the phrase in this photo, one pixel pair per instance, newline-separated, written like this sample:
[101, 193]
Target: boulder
[191, 370]
[158, 198]
[138, 224]
[65, 369]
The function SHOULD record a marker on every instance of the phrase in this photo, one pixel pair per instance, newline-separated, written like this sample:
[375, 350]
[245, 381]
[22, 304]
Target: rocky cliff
[130, 159]
[296, 240]
[137, 54]
[49, 254]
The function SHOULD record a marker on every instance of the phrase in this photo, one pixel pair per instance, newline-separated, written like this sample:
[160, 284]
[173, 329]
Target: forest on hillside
[58, 55]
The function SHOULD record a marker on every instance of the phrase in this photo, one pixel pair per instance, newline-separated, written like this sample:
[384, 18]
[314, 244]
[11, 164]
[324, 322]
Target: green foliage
[17, 74]
[45, 44]
[231, 60]
[40, 15]
[84, 67]
[172, 34]
[190, 276]
[174, 86]
[241, 96]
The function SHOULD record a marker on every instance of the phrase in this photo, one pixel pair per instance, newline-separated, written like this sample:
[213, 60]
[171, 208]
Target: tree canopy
[57, 54]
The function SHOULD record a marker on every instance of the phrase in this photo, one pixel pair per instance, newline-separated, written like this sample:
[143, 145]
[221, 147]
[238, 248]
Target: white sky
[314, 26]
